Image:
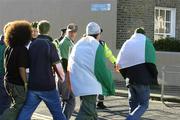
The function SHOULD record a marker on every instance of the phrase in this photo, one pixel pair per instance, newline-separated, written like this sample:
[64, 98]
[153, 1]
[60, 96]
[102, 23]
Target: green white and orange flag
[88, 71]
[137, 50]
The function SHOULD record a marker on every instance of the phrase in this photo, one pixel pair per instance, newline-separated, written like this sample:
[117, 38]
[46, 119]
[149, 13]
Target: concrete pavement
[118, 110]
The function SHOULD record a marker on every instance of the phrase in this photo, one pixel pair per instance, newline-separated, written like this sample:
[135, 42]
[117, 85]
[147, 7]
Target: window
[165, 22]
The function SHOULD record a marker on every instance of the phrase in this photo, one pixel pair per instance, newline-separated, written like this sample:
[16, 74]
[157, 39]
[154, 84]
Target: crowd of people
[34, 67]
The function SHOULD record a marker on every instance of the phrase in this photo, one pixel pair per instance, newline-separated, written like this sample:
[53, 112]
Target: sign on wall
[100, 7]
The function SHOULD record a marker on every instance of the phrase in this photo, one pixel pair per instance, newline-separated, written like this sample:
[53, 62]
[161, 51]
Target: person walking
[109, 55]
[17, 36]
[5, 100]
[65, 48]
[137, 63]
[88, 72]
[57, 41]
[42, 87]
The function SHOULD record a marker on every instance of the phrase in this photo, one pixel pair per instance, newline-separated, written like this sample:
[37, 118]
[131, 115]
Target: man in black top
[42, 87]
[17, 35]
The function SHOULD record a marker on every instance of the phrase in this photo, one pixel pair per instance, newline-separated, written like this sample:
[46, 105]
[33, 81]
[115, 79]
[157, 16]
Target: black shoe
[101, 105]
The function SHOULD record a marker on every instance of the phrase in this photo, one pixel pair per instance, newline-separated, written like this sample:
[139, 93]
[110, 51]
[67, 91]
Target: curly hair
[18, 33]
[6, 26]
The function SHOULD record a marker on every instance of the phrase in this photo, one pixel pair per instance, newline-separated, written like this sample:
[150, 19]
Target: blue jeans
[138, 101]
[5, 100]
[50, 98]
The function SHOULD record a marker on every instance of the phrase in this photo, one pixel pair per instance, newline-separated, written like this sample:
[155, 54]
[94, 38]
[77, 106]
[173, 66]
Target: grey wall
[60, 13]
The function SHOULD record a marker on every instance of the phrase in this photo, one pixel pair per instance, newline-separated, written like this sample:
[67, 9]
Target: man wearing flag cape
[137, 63]
[88, 73]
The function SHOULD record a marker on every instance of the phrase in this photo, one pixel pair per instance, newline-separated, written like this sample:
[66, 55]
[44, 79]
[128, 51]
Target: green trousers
[18, 95]
[88, 108]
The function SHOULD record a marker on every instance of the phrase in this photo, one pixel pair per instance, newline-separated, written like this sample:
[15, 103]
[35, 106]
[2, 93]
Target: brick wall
[132, 14]
[140, 13]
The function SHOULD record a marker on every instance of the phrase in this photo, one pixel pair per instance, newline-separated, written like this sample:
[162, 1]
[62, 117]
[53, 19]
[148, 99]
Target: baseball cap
[72, 27]
[93, 28]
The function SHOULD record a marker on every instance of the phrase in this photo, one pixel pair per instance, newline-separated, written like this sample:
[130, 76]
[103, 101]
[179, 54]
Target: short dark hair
[101, 30]
[34, 24]
[95, 35]
[63, 30]
[43, 27]
[18, 33]
[140, 30]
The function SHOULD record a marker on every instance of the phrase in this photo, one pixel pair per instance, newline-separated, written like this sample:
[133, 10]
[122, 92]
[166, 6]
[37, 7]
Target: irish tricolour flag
[87, 68]
[137, 50]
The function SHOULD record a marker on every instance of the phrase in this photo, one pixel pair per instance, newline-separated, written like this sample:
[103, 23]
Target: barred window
[165, 22]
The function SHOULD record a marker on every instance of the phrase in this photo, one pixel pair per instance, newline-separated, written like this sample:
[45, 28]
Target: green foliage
[167, 44]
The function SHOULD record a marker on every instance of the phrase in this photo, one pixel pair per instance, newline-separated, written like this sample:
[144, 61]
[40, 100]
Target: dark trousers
[68, 99]
[18, 96]
[5, 100]
[87, 108]
[101, 98]
[138, 101]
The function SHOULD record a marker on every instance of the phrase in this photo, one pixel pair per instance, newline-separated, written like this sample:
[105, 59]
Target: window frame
[172, 21]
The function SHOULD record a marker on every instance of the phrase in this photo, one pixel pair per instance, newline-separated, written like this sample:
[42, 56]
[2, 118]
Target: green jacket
[65, 47]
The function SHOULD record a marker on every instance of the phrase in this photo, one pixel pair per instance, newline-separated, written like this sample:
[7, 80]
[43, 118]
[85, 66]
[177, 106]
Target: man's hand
[116, 68]
[26, 87]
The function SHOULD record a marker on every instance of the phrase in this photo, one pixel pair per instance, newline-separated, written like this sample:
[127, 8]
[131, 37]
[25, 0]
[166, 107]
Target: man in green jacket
[65, 48]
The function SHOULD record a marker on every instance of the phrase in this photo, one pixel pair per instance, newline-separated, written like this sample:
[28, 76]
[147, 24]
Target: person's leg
[31, 103]
[19, 95]
[132, 97]
[52, 101]
[88, 108]
[68, 99]
[100, 103]
[143, 93]
[69, 106]
[5, 101]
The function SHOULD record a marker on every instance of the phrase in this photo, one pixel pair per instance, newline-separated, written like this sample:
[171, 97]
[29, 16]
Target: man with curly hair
[17, 36]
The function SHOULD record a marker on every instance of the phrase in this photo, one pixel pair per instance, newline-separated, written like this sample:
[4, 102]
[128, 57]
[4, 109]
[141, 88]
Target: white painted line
[41, 117]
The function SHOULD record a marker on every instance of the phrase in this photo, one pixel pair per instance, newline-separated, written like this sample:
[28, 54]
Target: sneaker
[101, 105]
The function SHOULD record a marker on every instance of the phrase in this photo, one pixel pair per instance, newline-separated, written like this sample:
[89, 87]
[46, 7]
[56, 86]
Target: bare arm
[59, 71]
[23, 75]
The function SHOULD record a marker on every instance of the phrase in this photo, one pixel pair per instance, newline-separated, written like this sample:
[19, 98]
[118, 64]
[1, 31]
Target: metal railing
[173, 88]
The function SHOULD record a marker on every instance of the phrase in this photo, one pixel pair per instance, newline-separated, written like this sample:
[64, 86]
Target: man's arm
[108, 54]
[22, 72]
[22, 65]
[59, 71]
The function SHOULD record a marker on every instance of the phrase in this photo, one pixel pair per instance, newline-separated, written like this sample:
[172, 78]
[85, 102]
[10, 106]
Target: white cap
[93, 28]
